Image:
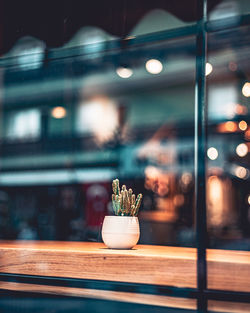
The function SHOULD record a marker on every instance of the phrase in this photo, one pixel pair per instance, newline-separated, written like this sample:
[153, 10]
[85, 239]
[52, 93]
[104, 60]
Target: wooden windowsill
[171, 266]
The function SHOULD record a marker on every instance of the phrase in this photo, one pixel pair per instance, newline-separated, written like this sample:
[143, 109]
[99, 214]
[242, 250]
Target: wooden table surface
[171, 266]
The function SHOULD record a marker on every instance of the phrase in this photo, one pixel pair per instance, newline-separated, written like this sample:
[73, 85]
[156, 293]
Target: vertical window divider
[200, 155]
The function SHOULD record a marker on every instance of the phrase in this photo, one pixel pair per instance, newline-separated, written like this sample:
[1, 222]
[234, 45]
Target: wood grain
[145, 264]
[172, 266]
[228, 307]
[228, 270]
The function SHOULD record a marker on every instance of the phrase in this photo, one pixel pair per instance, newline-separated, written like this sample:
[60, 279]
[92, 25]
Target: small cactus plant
[124, 201]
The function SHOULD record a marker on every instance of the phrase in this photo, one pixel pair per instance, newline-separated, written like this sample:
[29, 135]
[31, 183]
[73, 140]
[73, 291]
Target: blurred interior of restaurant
[73, 117]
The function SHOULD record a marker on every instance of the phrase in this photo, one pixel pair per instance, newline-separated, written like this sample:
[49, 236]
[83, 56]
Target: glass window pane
[228, 158]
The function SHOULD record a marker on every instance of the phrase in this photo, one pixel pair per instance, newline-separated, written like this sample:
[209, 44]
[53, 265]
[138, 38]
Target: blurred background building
[79, 111]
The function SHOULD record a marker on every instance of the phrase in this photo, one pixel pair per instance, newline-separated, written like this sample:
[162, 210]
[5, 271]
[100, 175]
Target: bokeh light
[212, 153]
[209, 68]
[247, 134]
[100, 116]
[59, 112]
[246, 90]
[242, 125]
[124, 72]
[228, 127]
[154, 66]
[240, 109]
[241, 172]
[242, 150]
[186, 178]
[232, 66]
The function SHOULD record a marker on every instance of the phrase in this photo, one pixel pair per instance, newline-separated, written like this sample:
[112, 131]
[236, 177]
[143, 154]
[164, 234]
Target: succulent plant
[124, 201]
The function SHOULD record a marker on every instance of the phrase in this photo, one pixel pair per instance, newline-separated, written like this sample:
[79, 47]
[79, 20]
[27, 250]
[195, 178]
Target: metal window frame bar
[200, 155]
[192, 293]
[101, 285]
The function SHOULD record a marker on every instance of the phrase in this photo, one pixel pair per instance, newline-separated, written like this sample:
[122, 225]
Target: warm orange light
[228, 127]
[247, 134]
[241, 109]
[248, 199]
[178, 200]
[246, 89]
[215, 200]
[242, 125]
[59, 112]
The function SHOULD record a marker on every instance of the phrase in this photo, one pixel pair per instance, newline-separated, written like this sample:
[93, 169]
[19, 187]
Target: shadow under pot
[120, 232]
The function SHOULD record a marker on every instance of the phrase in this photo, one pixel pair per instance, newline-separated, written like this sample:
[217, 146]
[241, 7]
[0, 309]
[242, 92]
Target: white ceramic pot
[120, 232]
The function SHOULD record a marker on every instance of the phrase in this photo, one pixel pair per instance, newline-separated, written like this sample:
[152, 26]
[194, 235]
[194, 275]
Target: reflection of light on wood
[219, 202]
